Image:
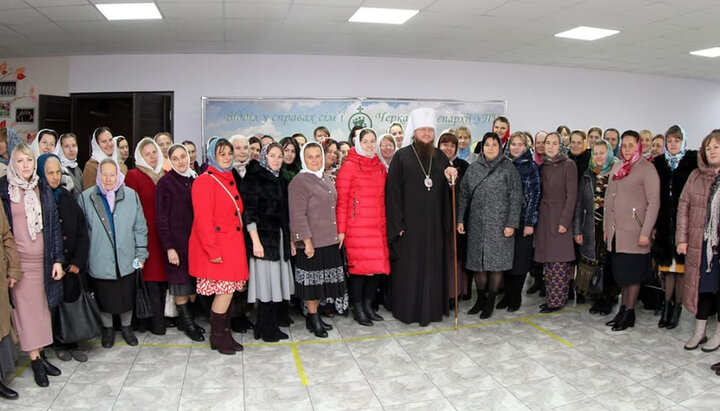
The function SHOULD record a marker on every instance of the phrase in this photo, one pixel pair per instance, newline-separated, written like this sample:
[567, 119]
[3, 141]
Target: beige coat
[638, 191]
[9, 267]
[690, 227]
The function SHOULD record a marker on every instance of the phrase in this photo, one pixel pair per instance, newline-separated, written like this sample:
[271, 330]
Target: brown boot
[219, 334]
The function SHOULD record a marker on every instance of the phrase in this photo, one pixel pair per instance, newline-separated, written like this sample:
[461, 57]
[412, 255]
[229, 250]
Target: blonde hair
[163, 133]
[23, 148]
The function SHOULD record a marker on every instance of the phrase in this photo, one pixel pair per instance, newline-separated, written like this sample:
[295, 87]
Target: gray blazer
[312, 210]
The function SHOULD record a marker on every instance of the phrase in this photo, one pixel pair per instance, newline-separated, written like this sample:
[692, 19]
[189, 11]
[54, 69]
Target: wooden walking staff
[455, 266]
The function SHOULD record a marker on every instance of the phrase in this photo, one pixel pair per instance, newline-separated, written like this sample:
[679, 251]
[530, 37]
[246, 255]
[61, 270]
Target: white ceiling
[655, 35]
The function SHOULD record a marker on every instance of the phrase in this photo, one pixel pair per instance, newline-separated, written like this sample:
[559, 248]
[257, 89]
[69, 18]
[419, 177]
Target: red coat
[154, 268]
[361, 214]
[217, 230]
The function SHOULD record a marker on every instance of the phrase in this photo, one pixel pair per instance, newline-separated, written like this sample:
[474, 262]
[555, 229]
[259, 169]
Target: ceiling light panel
[130, 11]
[383, 16]
[711, 52]
[586, 33]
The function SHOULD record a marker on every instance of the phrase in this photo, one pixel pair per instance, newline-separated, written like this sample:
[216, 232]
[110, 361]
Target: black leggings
[362, 287]
[708, 304]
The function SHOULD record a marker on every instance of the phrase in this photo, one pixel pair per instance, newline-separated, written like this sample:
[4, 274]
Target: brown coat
[9, 268]
[639, 191]
[90, 173]
[557, 205]
[690, 227]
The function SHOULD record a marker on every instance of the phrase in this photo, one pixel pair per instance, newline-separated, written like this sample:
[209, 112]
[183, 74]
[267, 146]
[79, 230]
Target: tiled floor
[567, 361]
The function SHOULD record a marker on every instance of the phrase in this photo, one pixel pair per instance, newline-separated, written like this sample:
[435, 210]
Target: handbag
[143, 308]
[78, 320]
[597, 280]
[170, 307]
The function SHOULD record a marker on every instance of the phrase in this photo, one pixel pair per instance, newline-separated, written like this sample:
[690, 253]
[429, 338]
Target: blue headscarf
[609, 160]
[463, 153]
[211, 154]
[41, 173]
[674, 160]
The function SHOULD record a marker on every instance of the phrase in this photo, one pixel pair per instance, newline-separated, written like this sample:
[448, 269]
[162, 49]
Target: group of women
[293, 218]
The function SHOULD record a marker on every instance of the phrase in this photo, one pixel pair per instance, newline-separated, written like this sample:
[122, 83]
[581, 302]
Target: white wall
[539, 97]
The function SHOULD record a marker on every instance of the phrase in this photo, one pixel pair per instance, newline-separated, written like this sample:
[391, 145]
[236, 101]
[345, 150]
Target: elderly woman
[696, 236]
[67, 152]
[361, 223]
[10, 274]
[75, 244]
[291, 159]
[29, 206]
[632, 202]
[588, 223]
[673, 169]
[319, 274]
[267, 222]
[553, 238]
[102, 146]
[514, 278]
[174, 217]
[143, 179]
[164, 141]
[216, 251]
[492, 194]
[118, 247]
[44, 142]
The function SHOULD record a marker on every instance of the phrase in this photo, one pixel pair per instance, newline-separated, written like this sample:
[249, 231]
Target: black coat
[671, 185]
[52, 237]
[582, 162]
[76, 241]
[265, 202]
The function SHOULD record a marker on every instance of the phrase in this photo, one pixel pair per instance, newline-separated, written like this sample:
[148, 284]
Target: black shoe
[78, 355]
[674, 317]
[241, 324]
[606, 307]
[186, 324]
[512, 309]
[128, 336]
[626, 321]
[312, 323]
[489, 306]
[63, 354]
[157, 327]
[360, 316]
[50, 369]
[666, 314]
[595, 308]
[325, 325]
[503, 304]
[107, 337]
[39, 372]
[618, 316]
[369, 312]
[7, 393]
[546, 309]
[534, 288]
[479, 303]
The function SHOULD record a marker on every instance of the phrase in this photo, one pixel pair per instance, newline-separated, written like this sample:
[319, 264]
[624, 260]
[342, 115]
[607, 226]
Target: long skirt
[115, 296]
[31, 314]
[270, 281]
[630, 269]
[321, 277]
[557, 278]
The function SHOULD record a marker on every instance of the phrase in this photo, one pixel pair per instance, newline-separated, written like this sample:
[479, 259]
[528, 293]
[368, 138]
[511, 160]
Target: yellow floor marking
[548, 333]
[299, 365]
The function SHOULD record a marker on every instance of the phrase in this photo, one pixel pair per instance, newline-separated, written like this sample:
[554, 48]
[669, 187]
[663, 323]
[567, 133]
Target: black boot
[369, 312]
[595, 308]
[359, 315]
[503, 303]
[276, 307]
[107, 337]
[241, 324]
[489, 306]
[39, 372]
[479, 303]
[627, 320]
[674, 317]
[325, 325]
[50, 369]
[263, 324]
[283, 314]
[186, 324]
[7, 393]
[666, 314]
[312, 323]
[618, 316]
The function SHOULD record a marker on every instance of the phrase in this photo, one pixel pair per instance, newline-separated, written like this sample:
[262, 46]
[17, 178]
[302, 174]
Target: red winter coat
[217, 230]
[154, 268]
[361, 214]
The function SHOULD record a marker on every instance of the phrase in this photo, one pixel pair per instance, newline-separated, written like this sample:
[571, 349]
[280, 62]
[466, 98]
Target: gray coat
[127, 242]
[496, 204]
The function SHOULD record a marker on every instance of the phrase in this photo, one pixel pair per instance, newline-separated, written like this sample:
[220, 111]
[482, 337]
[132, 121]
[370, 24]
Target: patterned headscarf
[674, 160]
[16, 182]
[627, 163]
[264, 159]
[609, 159]
[211, 156]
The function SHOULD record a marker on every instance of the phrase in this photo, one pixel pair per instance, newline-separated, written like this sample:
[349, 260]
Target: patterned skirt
[206, 286]
[321, 277]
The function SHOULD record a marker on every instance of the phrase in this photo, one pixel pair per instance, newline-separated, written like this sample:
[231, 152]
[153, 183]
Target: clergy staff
[417, 201]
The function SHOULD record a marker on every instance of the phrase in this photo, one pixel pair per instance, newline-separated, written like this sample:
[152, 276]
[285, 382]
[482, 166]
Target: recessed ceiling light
[586, 33]
[378, 15]
[711, 52]
[130, 11]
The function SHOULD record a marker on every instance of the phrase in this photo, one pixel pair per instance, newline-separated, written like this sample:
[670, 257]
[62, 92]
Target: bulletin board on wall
[18, 102]
[282, 117]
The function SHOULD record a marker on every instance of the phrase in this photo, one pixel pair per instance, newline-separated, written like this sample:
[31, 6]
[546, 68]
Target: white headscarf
[35, 145]
[379, 153]
[96, 152]
[319, 173]
[189, 172]
[140, 161]
[64, 161]
[358, 148]
[420, 117]
[116, 141]
[240, 166]
[33, 210]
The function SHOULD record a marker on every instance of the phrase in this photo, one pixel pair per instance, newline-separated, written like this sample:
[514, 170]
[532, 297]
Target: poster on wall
[279, 118]
[4, 109]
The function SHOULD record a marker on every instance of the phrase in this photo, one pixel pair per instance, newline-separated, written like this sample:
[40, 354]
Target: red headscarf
[627, 164]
